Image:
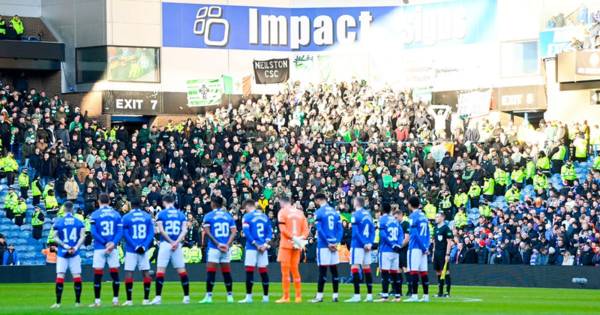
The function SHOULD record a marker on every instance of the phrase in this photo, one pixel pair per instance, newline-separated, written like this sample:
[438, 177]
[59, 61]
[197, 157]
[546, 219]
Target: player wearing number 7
[138, 231]
[107, 229]
[172, 229]
[418, 250]
[220, 230]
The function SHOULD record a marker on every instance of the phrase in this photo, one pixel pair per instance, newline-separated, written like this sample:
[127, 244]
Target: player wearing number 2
[329, 235]
[172, 227]
[418, 250]
[107, 230]
[138, 231]
[220, 230]
[258, 233]
[69, 234]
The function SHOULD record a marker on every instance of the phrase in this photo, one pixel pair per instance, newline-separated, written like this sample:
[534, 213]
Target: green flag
[205, 92]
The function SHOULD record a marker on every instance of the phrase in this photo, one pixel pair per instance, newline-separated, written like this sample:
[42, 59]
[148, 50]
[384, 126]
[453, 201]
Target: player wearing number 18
[220, 230]
[69, 234]
[172, 229]
[107, 229]
[138, 231]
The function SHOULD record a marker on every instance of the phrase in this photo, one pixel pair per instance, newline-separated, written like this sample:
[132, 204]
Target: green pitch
[37, 298]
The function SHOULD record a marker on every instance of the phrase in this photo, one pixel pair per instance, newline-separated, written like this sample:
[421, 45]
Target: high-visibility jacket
[2, 27]
[50, 238]
[446, 203]
[485, 211]
[20, 208]
[236, 252]
[35, 219]
[460, 219]
[518, 175]
[474, 190]
[540, 182]
[597, 163]
[195, 254]
[501, 177]
[580, 148]
[530, 169]
[187, 258]
[11, 200]
[460, 200]
[10, 164]
[23, 180]
[543, 163]
[50, 202]
[488, 186]
[568, 172]
[17, 25]
[560, 154]
[35, 188]
[47, 189]
[512, 195]
[430, 211]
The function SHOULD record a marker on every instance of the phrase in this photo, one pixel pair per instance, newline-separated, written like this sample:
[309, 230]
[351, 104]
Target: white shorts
[73, 264]
[389, 261]
[359, 257]
[166, 254]
[325, 257]
[133, 260]
[218, 257]
[255, 258]
[101, 259]
[417, 260]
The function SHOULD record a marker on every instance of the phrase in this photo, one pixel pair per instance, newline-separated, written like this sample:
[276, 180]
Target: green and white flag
[206, 92]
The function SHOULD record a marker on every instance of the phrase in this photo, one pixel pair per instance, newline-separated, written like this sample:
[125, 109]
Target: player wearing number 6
[138, 231]
[107, 230]
[220, 230]
[258, 232]
[329, 235]
[418, 250]
[172, 229]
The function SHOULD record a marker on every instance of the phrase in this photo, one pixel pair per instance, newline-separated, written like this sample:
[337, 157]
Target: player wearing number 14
[107, 230]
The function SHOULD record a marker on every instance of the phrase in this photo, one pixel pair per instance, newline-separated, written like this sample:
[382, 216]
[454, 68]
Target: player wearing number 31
[172, 229]
[107, 230]
[220, 230]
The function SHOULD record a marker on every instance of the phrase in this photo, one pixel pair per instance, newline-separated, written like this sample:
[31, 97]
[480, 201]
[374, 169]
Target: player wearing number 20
[220, 230]
[418, 250]
[138, 231]
[107, 230]
[171, 224]
[258, 231]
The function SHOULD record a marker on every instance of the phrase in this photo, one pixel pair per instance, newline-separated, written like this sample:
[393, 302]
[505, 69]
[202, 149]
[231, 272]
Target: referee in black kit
[442, 245]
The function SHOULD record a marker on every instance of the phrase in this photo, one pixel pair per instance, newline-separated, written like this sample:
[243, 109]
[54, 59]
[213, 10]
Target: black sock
[249, 280]
[322, 279]
[78, 288]
[448, 284]
[160, 279]
[59, 289]
[147, 282]
[210, 280]
[114, 274]
[385, 282]
[414, 280]
[128, 288]
[228, 281]
[335, 278]
[408, 283]
[440, 285]
[395, 283]
[97, 284]
[369, 281]
[425, 282]
[264, 276]
[356, 281]
[400, 282]
[185, 283]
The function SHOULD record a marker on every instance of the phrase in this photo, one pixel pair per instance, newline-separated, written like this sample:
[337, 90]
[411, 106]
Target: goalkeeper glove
[140, 250]
[299, 242]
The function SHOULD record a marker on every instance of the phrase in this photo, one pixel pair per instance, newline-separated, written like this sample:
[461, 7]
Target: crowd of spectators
[510, 192]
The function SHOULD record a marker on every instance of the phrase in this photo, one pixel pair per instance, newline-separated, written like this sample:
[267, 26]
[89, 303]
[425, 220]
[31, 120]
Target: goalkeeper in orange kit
[294, 231]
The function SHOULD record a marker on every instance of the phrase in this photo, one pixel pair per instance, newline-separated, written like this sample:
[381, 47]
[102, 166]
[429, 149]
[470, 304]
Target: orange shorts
[289, 256]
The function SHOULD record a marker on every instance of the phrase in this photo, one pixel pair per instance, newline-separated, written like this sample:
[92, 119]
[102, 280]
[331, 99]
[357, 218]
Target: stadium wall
[472, 275]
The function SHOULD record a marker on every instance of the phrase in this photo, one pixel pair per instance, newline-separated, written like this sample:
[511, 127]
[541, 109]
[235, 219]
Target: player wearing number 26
[107, 230]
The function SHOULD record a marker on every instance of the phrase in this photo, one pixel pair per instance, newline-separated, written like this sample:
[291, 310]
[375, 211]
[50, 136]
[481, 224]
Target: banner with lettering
[271, 71]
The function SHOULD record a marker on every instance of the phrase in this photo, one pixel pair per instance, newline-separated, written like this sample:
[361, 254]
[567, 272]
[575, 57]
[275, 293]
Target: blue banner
[315, 29]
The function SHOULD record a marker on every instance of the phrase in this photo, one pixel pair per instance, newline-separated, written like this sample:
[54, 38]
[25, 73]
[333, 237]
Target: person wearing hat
[10, 202]
[36, 191]
[51, 203]
[9, 168]
[568, 173]
[37, 223]
[23, 181]
[19, 211]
